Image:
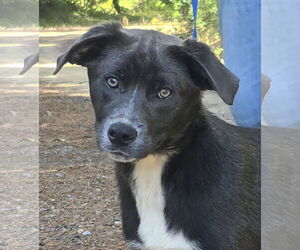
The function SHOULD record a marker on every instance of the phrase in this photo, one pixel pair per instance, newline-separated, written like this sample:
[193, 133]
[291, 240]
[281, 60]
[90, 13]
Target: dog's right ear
[206, 71]
[90, 45]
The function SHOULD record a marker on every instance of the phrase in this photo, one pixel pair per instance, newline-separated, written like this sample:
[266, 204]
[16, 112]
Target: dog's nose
[121, 134]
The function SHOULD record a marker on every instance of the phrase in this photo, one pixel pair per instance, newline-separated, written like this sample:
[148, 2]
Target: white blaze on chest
[149, 195]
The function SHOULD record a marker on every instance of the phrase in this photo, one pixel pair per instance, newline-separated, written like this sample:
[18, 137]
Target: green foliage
[208, 24]
[133, 10]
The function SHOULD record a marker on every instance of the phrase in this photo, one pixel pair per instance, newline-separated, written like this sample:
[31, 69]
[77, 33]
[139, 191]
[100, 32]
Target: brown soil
[78, 191]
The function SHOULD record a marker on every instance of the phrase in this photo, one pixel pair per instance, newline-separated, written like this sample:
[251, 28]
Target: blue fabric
[281, 62]
[195, 14]
[240, 26]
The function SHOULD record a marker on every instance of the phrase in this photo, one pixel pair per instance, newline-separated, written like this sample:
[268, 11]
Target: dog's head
[145, 86]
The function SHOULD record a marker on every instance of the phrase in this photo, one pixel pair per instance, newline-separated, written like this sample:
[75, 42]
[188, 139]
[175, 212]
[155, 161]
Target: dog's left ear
[91, 44]
[206, 71]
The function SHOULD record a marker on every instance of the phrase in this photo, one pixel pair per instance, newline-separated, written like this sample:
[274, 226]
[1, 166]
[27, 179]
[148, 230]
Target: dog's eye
[164, 93]
[112, 82]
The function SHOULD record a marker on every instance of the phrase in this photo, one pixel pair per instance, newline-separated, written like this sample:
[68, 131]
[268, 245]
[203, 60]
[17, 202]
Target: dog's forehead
[144, 60]
[145, 56]
[148, 62]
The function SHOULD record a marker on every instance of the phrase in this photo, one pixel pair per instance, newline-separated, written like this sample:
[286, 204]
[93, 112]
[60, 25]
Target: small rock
[76, 236]
[60, 175]
[117, 223]
[61, 139]
[80, 231]
[85, 233]
[117, 218]
[50, 215]
[96, 182]
[29, 175]
[98, 212]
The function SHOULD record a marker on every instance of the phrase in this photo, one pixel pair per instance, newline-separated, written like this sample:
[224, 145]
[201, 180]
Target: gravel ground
[79, 206]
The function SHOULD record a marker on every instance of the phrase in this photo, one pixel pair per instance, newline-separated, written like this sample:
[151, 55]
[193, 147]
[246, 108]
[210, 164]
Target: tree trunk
[117, 6]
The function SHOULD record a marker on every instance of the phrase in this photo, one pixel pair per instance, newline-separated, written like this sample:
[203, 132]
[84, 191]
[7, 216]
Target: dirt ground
[79, 206]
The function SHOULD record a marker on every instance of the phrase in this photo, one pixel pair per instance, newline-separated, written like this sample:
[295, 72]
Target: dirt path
[78, 195]
[18, 144]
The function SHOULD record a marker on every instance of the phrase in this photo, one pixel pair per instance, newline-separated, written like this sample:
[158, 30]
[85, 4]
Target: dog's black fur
[212, 188]
[211, 180]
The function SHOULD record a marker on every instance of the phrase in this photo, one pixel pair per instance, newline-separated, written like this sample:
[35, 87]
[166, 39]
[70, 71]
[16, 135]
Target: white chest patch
[149, 195]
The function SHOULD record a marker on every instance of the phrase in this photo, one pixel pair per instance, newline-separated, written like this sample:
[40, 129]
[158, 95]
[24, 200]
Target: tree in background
[117, 6]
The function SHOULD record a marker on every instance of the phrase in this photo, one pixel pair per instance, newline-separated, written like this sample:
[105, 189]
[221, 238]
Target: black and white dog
[187, 179]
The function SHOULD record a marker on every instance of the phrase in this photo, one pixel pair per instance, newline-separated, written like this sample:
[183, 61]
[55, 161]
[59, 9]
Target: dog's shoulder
[239, 136]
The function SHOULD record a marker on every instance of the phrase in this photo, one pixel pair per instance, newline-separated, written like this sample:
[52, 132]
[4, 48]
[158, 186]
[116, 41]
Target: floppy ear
[90, 45]
[206, 70]
[29, 61]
